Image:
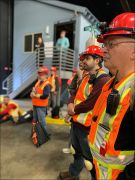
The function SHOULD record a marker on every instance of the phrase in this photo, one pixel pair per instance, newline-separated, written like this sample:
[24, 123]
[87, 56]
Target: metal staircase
[26, 73]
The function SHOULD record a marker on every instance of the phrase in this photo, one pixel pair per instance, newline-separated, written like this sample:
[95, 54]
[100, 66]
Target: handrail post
[60, 65]
[38, 58]
[3, 85]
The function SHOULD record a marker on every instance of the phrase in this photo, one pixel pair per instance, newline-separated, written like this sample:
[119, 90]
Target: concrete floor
[20, 159]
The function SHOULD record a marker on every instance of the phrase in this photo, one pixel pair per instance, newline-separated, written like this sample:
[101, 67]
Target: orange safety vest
[12, 112]
[39, 90]
[52, 79]
[104, 130]
[83, 92]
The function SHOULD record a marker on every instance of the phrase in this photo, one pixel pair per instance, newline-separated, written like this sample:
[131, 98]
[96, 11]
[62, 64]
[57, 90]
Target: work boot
[67, 176]
[93, 174]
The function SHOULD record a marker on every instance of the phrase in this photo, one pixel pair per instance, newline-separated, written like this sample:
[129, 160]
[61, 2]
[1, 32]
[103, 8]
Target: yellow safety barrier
[1, 98]
[59, 121]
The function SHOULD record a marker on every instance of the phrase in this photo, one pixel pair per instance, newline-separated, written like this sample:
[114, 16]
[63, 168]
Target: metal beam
[125, 5]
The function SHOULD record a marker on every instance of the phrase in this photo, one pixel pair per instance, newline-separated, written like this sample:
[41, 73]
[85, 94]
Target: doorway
[69, 27]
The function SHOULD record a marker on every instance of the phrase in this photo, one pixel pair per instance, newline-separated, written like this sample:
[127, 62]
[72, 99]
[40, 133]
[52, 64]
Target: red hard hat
[123, 24]
[93, 50]
[43, 70]
[53, 68]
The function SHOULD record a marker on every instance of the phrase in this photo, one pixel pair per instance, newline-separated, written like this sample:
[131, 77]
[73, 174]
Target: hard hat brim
[39, 72]
[101, 38]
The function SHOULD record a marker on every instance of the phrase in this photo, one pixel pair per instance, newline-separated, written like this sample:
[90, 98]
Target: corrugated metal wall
[6, 36]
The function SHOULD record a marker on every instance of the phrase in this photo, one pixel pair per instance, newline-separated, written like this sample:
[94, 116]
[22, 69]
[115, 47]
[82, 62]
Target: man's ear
[97, 60]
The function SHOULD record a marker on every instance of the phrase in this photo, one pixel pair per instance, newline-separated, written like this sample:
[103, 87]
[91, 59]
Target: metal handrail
[4, 86]
[62, 58]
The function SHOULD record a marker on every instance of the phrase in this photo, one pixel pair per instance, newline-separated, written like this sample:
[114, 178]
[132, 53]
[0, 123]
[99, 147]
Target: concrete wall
[33, 17]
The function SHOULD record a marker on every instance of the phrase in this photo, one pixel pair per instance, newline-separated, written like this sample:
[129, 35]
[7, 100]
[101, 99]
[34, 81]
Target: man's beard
[87, 68]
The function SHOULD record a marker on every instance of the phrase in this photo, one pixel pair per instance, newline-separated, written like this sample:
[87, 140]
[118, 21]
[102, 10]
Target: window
[32, 41]
[28, 47]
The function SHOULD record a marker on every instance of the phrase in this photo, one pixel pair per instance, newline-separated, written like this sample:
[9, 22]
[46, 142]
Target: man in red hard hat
[55, 82]
[80, 109]
[112, 132]
[39, 96]
[52, 79]
[73, 74]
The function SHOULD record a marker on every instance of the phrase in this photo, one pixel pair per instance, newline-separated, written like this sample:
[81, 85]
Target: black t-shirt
[126, 136]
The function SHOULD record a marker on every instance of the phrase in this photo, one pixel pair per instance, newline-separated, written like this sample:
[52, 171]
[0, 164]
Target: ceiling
[105, 10]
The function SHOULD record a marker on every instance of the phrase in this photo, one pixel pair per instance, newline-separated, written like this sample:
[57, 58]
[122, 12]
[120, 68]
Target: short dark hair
[95, 56]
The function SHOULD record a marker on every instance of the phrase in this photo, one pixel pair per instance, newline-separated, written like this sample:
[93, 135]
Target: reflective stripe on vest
[39, 90]
[83, 92]
[105, 172]
[52, 79]
[106, 128]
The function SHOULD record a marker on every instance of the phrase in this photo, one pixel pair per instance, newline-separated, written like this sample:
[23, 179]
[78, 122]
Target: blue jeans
[79, 140]
[39, 114]
[53, 100]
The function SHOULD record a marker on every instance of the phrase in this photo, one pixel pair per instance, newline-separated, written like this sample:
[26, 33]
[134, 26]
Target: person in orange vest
[9, 110]
[112, 134]
[72, 82]
[39, 96]
[76, 80]
[80, 108]
[55, 82]
[73, 75]
[72, 88]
